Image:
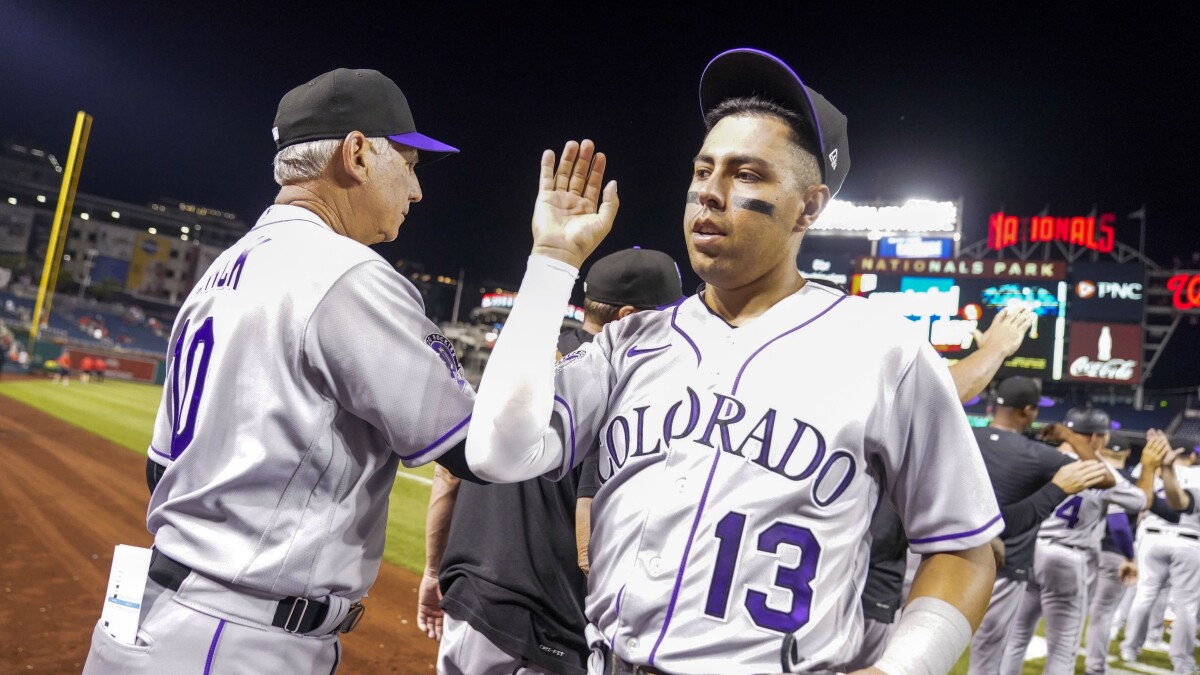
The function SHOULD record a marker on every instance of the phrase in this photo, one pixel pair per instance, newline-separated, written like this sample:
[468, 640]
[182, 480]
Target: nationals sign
[1104, 352]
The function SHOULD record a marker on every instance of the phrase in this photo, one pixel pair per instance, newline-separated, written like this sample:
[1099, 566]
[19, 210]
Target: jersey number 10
[187, 372]
[797, 579]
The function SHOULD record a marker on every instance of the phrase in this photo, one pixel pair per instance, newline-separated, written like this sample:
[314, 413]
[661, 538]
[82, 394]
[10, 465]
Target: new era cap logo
[1085, 289]
[833, 159]
[275, 132]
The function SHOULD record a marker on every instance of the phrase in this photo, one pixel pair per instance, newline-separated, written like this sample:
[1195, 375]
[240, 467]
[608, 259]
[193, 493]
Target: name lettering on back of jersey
[230, 274]
[445, 351]
[793, 449]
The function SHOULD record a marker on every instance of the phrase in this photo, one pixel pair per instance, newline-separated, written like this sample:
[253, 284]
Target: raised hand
[1007, 331]
[1157, 451]
[572, 216]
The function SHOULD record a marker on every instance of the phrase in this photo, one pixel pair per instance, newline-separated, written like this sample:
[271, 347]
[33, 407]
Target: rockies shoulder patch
[568, 360]
[442, 346]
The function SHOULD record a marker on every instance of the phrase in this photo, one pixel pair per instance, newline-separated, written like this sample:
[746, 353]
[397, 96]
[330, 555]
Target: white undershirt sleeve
[506, 441]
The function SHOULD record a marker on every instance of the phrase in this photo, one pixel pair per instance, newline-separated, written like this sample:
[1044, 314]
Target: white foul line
[420, 479]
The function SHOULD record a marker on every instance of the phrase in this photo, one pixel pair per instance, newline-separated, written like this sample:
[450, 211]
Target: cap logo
[275, 133]
[833, 159]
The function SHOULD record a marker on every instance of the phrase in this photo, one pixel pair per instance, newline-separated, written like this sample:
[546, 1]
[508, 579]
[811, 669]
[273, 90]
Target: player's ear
[626, 311]
[816, 198]
[351, 157]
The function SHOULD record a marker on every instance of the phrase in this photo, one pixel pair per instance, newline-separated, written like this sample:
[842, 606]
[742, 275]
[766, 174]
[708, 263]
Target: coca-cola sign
[1104, 352]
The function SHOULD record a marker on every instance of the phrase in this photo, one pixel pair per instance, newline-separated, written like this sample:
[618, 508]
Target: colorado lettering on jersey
[724, 423]
[230, 275]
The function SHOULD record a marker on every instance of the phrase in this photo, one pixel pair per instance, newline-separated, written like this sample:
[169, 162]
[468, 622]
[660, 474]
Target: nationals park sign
[964, 268]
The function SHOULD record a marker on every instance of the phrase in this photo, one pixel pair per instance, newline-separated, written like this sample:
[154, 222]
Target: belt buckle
[287, 625]
[353, 617]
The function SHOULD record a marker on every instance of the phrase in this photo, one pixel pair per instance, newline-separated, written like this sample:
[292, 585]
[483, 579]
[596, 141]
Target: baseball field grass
[123, 412]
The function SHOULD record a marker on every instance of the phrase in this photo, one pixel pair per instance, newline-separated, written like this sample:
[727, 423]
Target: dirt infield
[66, 498]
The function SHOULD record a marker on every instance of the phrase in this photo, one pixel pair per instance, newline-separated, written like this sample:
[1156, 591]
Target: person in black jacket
[504, 581]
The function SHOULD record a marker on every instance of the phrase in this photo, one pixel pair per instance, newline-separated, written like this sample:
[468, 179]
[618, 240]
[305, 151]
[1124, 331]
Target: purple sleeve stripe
[959, 535]
[820, 314]
[436, 444]
[212, 648]
[159, 452]
[571, 426]
[674, 313]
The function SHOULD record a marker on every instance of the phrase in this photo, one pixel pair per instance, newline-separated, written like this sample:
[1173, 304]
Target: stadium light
[116, 214]
[12, 200]
[152, 230]
[183, 237]
[915, 216]
[41, 199]
[184, 229]
[84, 216]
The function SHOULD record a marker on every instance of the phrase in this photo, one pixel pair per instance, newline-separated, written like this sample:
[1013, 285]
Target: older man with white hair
[302, 370]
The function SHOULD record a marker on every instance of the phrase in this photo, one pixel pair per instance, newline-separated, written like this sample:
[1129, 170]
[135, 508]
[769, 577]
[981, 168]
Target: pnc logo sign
[1108, 289]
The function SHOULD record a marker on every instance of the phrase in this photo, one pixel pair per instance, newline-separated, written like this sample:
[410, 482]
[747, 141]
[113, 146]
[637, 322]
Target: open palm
[572, 215]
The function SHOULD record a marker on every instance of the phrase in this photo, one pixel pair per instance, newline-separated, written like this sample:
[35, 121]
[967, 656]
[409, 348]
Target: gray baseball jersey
[740, 468]
[302, 370]
[1078, 519]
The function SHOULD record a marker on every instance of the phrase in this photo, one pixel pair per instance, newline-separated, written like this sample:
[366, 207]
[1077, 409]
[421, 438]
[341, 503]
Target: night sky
[1005, 109]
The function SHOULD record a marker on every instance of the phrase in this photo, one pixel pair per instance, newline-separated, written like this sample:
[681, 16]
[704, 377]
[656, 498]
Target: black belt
[1185, 535]
[615, 665]
[294, 615]
[1049, 540]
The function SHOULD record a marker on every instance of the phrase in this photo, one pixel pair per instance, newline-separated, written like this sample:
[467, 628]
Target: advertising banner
[916, 247]
[1104, 352]
[148, 266]
[946, 310]
[15, 224]
[1107, 291]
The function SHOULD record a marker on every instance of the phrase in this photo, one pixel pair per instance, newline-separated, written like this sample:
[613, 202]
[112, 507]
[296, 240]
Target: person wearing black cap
[1067, 552]
[1169, 554]
[281, 427]
[509, 565]
[745, 435]
[1031, 473]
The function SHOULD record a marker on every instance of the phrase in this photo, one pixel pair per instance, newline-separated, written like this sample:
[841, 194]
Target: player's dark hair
[600, 312]
[802, 132]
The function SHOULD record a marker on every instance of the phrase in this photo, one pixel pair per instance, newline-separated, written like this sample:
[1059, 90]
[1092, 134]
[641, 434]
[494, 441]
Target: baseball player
[64, 369]
[510, 584]
[1168, 551]
[85, 369]
[280, 429]
[883, 593]
[746, 434]
[1117, 568]
[1019, 468]
[1066, 541]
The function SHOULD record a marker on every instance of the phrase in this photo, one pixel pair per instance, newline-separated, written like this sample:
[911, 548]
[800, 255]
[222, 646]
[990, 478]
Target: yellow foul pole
[62, 220]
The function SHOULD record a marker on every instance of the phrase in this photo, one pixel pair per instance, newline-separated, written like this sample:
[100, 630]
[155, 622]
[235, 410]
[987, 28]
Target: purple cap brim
[422, 142]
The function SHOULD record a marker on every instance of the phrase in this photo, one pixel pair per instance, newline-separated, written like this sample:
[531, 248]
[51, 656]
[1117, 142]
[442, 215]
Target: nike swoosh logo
[634, 351]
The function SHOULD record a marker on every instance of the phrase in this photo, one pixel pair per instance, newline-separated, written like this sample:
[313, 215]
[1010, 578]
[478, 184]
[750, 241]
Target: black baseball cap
[1018, 391]
[636, 276]
[753, 72]
[343, 100]
[1087, 420]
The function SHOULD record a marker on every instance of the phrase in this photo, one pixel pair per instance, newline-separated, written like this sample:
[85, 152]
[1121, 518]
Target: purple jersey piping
[768, 343]
[674, 325]
[958, 535]
[212, 648]
[686, 550]
[612, 640]
[571, 424]
[712, 472]
[439, 441]
[158, 452]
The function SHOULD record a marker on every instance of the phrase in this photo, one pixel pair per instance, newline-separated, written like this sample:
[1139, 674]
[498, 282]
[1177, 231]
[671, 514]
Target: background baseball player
[1020, 467]
[1168, 551]
[1062, 566]
[510, 582]
[280, 429]
[746, 434]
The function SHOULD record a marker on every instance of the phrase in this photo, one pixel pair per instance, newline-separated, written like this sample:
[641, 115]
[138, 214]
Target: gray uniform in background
[1168, 551]
[302, 372]
[1062, 572]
